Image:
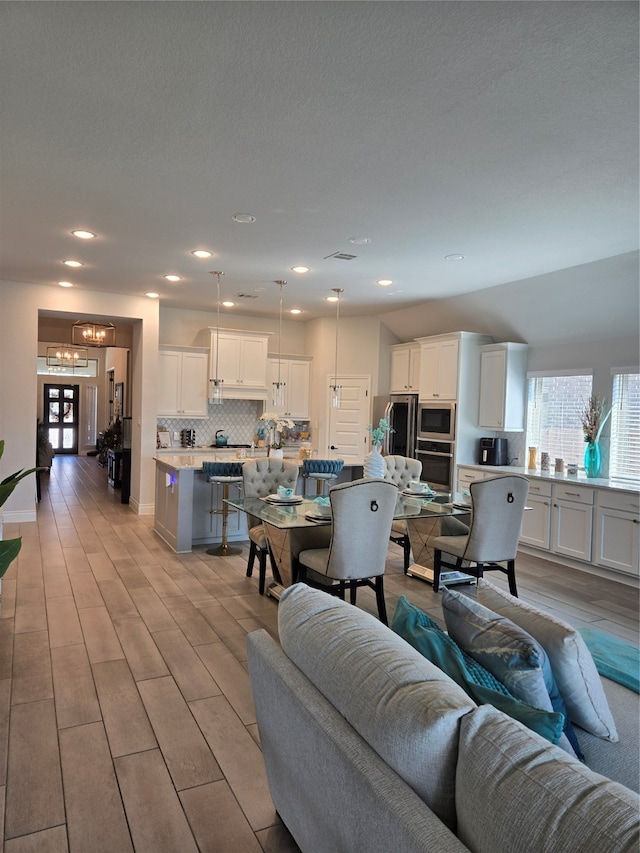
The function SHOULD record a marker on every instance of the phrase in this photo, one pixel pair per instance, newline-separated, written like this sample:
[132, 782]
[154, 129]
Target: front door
[61, 417]
[348, 424]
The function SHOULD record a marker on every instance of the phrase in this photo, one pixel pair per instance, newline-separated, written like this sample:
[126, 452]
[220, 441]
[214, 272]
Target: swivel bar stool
[223, 474]
[322, 471]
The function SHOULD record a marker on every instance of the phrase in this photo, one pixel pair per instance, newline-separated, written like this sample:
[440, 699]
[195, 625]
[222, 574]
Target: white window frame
[624, 455]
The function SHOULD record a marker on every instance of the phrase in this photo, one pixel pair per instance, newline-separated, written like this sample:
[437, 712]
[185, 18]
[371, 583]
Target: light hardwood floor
[126, 718]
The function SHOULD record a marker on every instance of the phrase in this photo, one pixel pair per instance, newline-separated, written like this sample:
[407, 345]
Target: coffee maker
[494, 451]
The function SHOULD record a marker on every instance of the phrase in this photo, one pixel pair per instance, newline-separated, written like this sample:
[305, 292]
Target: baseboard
[141, 509]
[18, 516]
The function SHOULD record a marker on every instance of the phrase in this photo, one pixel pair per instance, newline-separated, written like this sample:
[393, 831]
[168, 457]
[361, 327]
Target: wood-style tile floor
[126, 717]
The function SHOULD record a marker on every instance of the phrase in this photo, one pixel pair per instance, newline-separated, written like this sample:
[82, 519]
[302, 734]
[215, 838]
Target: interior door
[348, 425]
[61, 417]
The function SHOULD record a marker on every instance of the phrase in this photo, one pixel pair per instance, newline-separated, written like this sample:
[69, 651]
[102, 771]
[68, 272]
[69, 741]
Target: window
[44, 370]
[554, 414]
[624, 462]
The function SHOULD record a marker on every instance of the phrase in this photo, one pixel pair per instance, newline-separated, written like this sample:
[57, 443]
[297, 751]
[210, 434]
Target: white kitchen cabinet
[439, 369]
[296, 374]
[536, 520]
[466, 476]
[503, 378]
[617, 531]
[405, 369]
[572, 521]
[241, 358]
[183, 383]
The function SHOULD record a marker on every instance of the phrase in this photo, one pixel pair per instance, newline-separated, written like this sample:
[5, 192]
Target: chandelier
[215, 396]
[94, 334]
[278, 387]
[65, 355]
[336, 390]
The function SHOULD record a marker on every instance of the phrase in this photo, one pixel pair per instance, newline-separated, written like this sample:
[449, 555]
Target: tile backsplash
[238, 418]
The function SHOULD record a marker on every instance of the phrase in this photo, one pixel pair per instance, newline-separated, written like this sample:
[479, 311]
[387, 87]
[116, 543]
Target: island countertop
[193, 461]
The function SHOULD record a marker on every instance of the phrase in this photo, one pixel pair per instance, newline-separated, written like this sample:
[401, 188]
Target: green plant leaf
[9, 483]
[9, 550]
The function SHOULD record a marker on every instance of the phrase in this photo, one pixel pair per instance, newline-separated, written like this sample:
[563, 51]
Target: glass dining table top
[307, 513]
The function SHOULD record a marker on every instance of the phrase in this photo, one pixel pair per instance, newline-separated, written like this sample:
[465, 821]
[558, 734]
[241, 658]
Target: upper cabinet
[183, 382]
[296, 375]
[439, 368]
[503, 380]
[405, 369]
[241, 359]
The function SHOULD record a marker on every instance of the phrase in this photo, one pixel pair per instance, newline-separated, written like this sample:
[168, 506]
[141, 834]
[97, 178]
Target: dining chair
[497, 506]
[401, 470]
[362, 512]
[262, 477]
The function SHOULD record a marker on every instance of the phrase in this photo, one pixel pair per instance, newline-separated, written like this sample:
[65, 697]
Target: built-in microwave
[437, 421]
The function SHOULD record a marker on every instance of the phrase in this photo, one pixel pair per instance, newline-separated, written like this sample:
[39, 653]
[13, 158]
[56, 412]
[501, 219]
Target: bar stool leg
[224, 549]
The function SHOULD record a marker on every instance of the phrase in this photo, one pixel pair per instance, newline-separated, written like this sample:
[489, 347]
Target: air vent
[247, 295]
[341, 256]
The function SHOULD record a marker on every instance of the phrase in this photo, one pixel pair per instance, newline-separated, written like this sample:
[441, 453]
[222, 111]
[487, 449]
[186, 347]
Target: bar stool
[321, 470]
[223, 474]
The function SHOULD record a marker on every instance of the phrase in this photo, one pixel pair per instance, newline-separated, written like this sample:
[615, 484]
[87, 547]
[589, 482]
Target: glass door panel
[61, 417]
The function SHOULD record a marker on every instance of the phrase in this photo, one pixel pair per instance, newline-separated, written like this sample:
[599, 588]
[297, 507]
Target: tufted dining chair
[362, 512]
[262, 477]
[401, 470]
[497, 506]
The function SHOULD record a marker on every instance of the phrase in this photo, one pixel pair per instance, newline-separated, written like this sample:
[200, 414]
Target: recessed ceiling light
[295, 311]
[172, 277]
[385, 282]
[228, 304]
[243, 217]
[332, 299]
[83, 235]
[201, 253]
[359, 241]
[300, 269]
[72, 263]
[65, 284]
[152, 295]
[454, 257]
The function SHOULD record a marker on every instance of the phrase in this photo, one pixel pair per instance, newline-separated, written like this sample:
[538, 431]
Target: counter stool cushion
[220, 472]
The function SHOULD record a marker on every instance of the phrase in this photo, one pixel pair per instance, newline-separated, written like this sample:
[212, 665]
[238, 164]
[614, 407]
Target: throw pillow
[425, 635]
[509, 653]
[571, 661]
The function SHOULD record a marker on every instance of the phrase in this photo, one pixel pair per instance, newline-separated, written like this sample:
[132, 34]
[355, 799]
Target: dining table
[298, 523]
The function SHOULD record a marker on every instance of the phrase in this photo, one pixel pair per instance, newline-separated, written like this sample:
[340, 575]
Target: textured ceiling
[504, 131]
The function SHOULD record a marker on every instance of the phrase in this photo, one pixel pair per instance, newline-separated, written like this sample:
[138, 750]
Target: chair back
[263, 476]
[328, 467]
[401, 470]
[214, 470]
[498, 506]
[362, 512]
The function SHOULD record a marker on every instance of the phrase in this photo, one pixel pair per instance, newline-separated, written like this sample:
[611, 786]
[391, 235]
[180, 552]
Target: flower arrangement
[275, 425]
[594, 418]
[378, 434]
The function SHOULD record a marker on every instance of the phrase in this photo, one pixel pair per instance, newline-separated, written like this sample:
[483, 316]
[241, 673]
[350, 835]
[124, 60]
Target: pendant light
[278, 387]
[336, 390]
[216, 389]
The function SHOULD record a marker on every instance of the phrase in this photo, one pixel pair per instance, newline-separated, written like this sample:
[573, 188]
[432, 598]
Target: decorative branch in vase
[594, 418]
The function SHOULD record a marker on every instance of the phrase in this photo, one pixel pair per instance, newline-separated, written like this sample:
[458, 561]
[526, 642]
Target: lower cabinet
[572, 522]
[616, 531]
[536, 521]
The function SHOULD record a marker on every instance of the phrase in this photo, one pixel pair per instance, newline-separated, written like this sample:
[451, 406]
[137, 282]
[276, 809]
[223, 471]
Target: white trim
[617, 370]
[18, 516]
[532, 374]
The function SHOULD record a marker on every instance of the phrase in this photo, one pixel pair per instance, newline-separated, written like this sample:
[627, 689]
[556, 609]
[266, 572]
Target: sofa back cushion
[515, 792]
[406, 708]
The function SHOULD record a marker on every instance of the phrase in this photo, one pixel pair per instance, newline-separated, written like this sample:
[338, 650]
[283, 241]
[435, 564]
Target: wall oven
[437, 421]
[437, 463]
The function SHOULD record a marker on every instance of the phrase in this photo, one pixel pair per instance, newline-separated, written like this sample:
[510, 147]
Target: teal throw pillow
[426, 636]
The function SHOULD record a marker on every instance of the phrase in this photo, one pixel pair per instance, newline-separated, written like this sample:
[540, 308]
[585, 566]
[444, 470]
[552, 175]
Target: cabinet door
[571, 529]
[536, 522]
[194, 378]
[253, 362]
[400, 367]
[617, 540]
[169, 369]
[228, 354]
[429, 358]
[448, 370]
[492, 389]
[414, 370]
[298, 389]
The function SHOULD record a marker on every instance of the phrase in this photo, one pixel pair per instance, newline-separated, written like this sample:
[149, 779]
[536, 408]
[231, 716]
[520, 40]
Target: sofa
[370, 746]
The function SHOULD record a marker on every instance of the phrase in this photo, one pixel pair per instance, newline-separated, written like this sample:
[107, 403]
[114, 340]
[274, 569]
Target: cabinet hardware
[574, 494]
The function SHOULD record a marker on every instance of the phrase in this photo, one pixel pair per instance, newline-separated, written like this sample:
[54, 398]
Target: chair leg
[511, 577]
[406, 545]
[382, 607]
[262, 565]
[252, 557]
[437, 557]
[353, 588]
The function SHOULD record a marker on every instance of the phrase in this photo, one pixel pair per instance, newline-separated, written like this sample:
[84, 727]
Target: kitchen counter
[537, 474]
[192, 458]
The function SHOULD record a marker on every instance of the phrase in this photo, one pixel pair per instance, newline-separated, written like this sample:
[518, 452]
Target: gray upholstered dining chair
[262, 477]
[362, 512]
[401, 470]
[497, 506]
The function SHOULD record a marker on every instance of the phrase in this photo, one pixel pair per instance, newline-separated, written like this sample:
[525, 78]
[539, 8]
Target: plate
[461, 505]
[276, 499]
[317, 515]
[411, 494]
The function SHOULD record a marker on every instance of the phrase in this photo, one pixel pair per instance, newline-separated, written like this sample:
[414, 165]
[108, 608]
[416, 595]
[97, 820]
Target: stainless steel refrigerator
[401, 411]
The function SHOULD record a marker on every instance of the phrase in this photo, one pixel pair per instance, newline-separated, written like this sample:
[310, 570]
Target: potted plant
[275, 426]
[374, 464]
[593, 420]
[10, 548]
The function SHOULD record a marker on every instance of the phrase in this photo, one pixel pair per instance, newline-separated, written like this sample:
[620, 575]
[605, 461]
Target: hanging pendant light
[277, 398]
[216, 396]
[336, 390]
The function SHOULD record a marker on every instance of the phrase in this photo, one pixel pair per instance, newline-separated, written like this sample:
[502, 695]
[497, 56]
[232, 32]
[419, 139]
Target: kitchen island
[187, 507]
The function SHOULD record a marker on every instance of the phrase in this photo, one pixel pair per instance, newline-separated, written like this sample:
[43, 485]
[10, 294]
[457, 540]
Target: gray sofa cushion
[406, 708]
[516, 792]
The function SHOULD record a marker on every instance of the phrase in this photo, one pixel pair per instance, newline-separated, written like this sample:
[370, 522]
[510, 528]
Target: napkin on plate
[322, 501]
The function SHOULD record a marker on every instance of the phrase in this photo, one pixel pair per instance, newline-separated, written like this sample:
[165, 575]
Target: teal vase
[592, 459]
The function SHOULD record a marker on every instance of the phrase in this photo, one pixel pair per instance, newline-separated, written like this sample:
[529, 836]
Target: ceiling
[506, 132]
